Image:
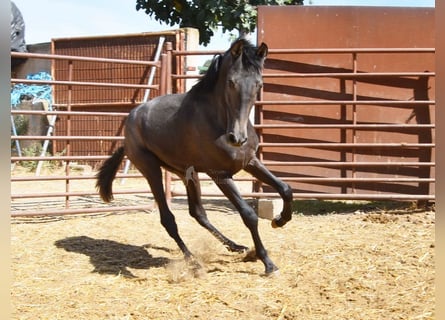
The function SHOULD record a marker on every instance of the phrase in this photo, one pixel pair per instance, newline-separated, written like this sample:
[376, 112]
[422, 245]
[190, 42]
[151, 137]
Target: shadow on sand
[111, 257]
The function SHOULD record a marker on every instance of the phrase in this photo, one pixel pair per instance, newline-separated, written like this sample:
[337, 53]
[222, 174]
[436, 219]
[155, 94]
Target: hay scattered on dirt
[375, 265]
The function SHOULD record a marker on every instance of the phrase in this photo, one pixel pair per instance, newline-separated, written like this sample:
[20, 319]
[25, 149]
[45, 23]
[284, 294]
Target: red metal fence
[139, 47]
[355, 102]
[84, 199]
[356, 145]
[63, 198]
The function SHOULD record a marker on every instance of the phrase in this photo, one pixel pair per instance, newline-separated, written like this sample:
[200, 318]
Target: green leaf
[206, 15]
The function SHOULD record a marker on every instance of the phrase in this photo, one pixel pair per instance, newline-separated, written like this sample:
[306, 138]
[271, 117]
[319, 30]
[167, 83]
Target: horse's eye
[231, 83]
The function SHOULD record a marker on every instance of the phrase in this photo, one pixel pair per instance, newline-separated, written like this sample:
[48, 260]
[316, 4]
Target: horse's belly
[181, 156]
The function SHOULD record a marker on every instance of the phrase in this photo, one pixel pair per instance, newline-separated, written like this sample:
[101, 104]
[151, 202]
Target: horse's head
[240, 80]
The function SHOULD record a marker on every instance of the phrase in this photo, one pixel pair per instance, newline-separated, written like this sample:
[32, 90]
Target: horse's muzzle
[236, 141]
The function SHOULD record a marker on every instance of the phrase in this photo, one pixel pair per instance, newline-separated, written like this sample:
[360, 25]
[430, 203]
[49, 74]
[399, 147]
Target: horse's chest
[238, 157]
[229, 160]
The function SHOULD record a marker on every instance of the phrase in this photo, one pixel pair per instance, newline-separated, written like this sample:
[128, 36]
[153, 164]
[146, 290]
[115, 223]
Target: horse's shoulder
[168, 99]
[162, 104]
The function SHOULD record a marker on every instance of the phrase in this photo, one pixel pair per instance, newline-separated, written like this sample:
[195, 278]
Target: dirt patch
[373, 265]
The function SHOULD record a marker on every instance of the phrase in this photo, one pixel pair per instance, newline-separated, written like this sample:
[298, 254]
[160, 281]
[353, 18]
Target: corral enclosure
[363, 261]
[137, 47]
[344, 114]
[355, 110]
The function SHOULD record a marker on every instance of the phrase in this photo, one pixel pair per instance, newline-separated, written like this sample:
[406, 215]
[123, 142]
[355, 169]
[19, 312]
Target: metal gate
[350, 113]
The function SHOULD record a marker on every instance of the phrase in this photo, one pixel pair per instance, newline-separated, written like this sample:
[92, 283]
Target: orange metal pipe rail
[68, 177]
[84, 83]
[400, 103]
[327, 196]
[314, 50]
[80, 58]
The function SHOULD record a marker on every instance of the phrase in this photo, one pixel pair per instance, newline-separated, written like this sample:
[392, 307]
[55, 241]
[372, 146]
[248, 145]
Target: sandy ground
[362, 265]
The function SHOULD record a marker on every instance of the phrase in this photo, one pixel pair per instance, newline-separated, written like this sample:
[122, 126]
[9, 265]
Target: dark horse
[206, 130]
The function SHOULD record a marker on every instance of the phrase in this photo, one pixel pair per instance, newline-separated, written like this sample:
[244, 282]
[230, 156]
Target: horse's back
[157, 109]
[151, 125]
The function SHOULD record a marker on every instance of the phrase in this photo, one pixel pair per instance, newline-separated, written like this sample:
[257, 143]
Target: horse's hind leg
[197, 211]
[149, 165]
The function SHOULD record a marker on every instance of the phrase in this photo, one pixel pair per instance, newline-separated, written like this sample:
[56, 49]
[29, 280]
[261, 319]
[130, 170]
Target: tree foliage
[207, 15]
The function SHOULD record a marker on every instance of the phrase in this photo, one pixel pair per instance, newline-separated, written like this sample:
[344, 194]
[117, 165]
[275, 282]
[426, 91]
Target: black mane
[208, 80]
[250, 57]
[250, 60]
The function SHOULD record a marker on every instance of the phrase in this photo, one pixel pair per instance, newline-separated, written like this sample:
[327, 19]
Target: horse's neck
[209, 103]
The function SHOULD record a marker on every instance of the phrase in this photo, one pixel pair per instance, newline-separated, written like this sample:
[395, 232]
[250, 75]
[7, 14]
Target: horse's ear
[262, 50]
[216, 62]
[237, 48]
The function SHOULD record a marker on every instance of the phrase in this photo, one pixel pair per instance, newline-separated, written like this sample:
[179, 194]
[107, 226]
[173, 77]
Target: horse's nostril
[232, 138]
[236, 141]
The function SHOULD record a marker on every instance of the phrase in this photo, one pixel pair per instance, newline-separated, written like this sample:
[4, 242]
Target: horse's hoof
[250, 256]
[275, 272]
[193, 263]
[237, 248]
[274, 224]
[278, 222]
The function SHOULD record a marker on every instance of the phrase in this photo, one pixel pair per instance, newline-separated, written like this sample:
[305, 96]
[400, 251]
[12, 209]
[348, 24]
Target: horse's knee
[197, 212]
[287, 193]
[249, 217]
[286, 213]
[169, 223]
[200, 215]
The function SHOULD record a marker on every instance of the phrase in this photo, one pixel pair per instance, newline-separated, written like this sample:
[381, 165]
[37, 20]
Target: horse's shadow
[111, 257]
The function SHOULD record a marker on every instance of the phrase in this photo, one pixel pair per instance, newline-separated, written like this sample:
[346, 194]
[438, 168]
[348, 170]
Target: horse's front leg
[259, 171]
[196, 209]
[250, 219]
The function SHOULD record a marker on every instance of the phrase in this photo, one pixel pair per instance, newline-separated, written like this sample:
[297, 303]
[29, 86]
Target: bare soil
[360, 265]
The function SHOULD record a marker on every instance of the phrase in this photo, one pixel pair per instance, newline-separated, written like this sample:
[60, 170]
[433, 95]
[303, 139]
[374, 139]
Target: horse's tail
[106, 174]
